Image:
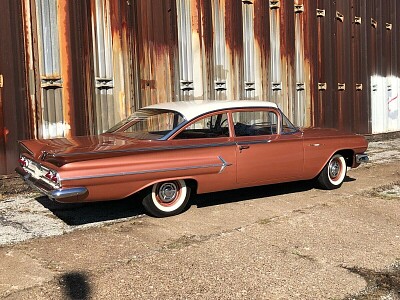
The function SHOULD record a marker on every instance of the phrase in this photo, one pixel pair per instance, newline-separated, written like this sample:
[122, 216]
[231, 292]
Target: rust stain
[234, 48]
[66, 64]
[262, 45]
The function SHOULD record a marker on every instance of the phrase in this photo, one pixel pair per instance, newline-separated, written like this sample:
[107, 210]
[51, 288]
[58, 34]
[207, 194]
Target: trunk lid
[60, 151]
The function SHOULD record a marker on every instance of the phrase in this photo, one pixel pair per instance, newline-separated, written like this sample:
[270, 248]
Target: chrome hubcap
[168, 192]
[334, 169]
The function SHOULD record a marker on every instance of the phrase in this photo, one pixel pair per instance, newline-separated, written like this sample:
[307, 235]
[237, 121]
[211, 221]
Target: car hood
[59, 151]
[323, 132]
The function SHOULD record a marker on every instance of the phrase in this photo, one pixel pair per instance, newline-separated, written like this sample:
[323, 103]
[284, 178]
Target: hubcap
[334, 169]
[168, 192]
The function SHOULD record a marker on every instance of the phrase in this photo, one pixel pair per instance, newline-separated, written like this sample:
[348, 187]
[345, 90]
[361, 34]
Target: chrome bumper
[61, 195]
[362, 158]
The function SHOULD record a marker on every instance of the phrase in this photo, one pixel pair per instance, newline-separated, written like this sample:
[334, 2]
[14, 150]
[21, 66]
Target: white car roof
[194, 108]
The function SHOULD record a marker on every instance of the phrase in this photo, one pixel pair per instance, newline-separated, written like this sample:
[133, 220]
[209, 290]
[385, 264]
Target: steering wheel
[223, 122]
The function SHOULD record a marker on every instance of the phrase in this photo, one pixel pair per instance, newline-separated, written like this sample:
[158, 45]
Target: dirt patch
[380, 284]
[387, 191]
[12, 186]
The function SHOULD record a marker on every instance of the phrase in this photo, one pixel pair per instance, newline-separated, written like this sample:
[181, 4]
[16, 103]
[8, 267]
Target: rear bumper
[60, 195]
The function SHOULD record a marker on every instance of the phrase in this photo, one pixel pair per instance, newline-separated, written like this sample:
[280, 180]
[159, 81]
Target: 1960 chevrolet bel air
[166, 151]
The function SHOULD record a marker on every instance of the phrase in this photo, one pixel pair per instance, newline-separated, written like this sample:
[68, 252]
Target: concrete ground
[286, 241]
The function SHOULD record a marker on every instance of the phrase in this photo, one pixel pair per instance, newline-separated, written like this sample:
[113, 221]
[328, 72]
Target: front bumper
[362, 158]
[60, 195]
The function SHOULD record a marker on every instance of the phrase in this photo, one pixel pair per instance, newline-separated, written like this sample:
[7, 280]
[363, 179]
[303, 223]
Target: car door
[206, 147]
[264, 154]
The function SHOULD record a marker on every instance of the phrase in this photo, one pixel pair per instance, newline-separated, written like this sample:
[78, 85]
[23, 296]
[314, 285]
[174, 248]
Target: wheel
[333, 174]
[167, 198]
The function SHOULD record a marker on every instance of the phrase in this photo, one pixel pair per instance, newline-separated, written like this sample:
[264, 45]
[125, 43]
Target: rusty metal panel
[15, 119]
[3, 134]
[50, 69]
[359, 68]
[327, 102]
[219, 49]
[185, 49]
[305, 63]
[345, 85]
[113, 66]
[307, 97]
[82, 87]
[156, 31]
[234, 49]
[282, 39]
[104, 106]
[262, 49]
[249, 65]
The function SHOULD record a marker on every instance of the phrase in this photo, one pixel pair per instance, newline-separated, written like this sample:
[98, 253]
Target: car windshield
[148, 124]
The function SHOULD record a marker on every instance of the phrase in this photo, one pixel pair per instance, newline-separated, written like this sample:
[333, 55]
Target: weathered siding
[77, 67]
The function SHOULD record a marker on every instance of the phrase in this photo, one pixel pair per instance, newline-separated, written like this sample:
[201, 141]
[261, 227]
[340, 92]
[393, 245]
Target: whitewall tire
[167, 198]
[333, 174]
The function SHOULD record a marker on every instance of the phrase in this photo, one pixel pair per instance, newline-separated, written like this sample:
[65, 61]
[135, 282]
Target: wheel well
[192, 184]
[348, 156]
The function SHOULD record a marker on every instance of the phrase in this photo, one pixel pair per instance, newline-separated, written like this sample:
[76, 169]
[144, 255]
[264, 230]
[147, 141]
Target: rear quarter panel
[121, 176]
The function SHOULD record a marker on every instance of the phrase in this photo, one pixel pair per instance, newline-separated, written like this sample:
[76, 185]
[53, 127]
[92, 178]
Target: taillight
[52, 176]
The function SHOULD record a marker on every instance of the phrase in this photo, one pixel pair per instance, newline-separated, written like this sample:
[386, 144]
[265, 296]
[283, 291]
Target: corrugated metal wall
[15, 111]
[78, 67]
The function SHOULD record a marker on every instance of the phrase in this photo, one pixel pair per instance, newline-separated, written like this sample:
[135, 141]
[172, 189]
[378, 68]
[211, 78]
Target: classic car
[164, 152]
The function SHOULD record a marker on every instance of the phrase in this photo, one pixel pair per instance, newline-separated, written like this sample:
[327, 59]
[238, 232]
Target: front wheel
[333, 174]
[167, 198]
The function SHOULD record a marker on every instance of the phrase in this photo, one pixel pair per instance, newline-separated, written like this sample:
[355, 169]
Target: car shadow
[251, 193]
[349, 179]
[244, 194]
[74, 214]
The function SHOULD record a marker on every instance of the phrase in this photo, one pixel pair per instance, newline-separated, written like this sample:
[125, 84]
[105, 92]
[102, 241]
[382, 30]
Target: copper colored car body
[166, 151]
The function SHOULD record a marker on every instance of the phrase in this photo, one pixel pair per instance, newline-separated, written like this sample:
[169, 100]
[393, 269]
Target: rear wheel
[333, 174]
[167, 198]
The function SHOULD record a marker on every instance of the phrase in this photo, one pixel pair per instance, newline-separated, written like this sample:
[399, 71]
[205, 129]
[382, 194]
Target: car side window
[287, 126]
[209, 127]
[253, 123]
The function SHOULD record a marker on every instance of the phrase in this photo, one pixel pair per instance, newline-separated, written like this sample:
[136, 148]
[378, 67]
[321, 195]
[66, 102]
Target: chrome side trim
[362, 158]
[47, 189]
[222, 166]
[238, 143]
[144, 149]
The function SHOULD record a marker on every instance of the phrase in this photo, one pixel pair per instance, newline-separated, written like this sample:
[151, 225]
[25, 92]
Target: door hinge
[1, 80]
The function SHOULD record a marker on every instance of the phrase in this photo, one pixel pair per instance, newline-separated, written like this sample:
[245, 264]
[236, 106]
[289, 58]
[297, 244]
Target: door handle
[243, 147]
